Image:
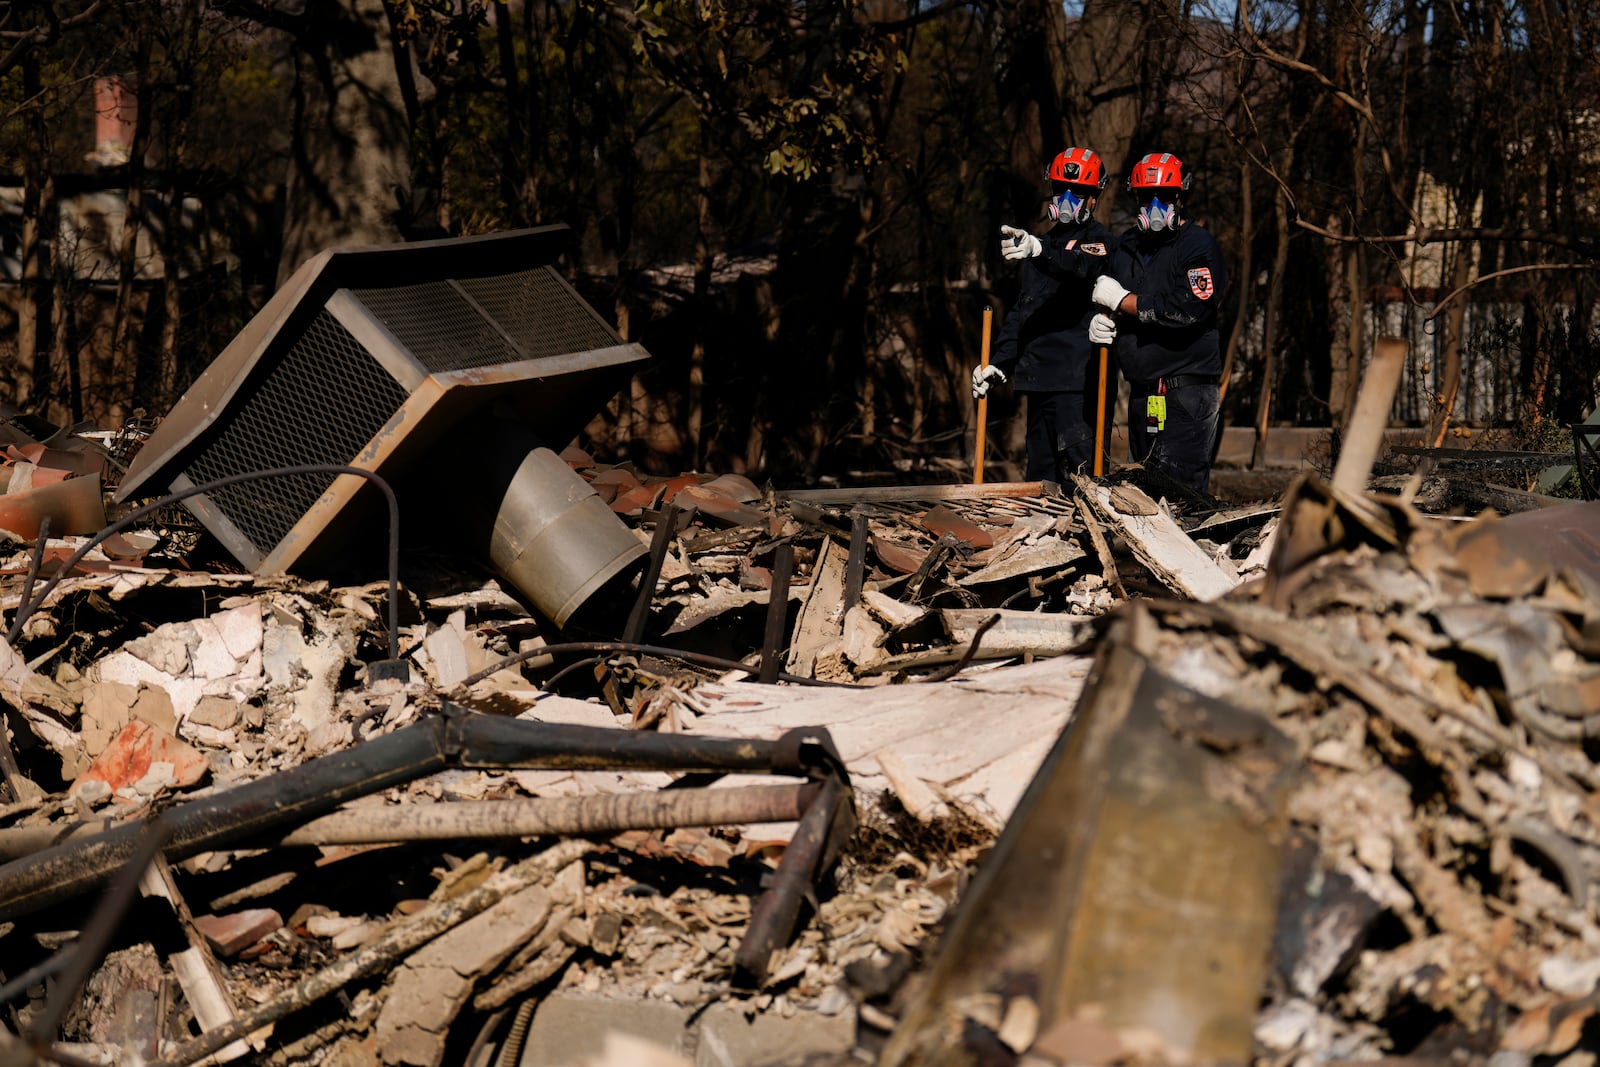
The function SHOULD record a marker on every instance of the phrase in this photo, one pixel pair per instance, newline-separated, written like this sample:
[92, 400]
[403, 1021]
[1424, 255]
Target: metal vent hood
[381, 358]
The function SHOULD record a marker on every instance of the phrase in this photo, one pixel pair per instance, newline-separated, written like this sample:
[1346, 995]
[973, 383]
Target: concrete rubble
[1431, 685]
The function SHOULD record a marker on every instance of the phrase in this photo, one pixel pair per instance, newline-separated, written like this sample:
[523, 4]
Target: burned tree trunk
[350, 178]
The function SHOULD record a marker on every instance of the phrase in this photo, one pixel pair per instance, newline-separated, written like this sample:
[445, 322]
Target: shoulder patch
[1200, 282]
[1094, 248]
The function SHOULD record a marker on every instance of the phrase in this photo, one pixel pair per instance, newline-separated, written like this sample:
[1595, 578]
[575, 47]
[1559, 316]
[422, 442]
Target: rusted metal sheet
[903, 559]
[73, 507]
[941, 520]
[1516, 555]
[1132, 894]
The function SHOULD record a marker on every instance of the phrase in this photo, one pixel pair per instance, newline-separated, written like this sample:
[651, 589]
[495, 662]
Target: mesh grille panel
[325, 401]
[442, 331]
[541, 312]
[445, 333]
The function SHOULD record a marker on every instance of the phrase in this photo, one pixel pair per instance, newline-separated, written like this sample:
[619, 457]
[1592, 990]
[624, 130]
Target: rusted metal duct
[386, 358]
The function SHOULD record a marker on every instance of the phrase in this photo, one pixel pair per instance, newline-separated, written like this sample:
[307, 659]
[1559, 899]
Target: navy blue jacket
[1044, 341]
[1179, 283]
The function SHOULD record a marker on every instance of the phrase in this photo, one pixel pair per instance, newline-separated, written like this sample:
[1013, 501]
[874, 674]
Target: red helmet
[1159, 170]
[1077, 166]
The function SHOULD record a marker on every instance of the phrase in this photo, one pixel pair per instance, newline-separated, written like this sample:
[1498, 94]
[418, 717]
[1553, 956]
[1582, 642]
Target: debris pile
[1439, 895]
[897, 582]
[1436, 681]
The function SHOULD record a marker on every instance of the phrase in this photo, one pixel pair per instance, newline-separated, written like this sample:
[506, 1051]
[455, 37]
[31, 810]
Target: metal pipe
[454, 738]
[774, 641]
[541, 816]
[600, 813]
[490, 741]
[775, 914]
[718, 662]
[666, 527]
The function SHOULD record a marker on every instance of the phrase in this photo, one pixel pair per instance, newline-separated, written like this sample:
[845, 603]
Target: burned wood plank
[777, 613]
[720, 538]
[820, 621]
[196, 968]
[896, 614]
[941, 551]
[1016, 633]
[855, 570]
[1047, 554]
[916, 796]
[430, 987]
[1019, 632]
[1161, 545]
[1102, 547]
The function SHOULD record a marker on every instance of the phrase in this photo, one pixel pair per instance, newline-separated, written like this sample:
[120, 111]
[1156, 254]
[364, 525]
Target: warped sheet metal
[1134, 890]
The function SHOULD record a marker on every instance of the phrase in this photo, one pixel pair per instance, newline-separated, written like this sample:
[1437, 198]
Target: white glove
[1108, 292]
[1019, 244]
[1102, 329]
[981, 376]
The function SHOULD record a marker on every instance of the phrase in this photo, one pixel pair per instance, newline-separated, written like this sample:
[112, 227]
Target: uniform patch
[1200, 282]
[1068, 246]
[1095, 249]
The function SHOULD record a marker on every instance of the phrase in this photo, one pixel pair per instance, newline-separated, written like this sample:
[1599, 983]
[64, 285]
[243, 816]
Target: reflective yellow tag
[1155, 411]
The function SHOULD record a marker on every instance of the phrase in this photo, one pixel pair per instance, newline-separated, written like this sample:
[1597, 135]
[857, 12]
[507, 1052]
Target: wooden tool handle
[983, 403]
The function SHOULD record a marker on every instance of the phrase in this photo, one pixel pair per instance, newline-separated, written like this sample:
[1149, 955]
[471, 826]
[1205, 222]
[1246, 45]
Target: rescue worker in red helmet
[1046, 346]
[1164, 283]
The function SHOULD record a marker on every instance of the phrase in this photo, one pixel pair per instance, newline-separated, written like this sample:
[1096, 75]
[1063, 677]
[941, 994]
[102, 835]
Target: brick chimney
[116, 106]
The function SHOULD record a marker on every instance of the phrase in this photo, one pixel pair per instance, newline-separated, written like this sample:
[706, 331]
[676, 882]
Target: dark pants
[1183, 449]
[1061, 436]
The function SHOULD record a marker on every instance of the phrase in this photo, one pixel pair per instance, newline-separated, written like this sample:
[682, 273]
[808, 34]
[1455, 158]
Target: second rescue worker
[1165, 280]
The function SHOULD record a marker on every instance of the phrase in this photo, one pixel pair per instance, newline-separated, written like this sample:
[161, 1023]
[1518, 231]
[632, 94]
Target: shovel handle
[1100, 416]
[983, 403]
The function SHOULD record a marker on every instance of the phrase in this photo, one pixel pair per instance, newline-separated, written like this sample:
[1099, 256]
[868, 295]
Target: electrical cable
[645, 650]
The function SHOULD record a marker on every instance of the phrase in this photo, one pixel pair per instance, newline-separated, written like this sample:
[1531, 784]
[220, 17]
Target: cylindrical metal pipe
[773, 919]
[533, 817]
[538, 816]
[490, 741]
